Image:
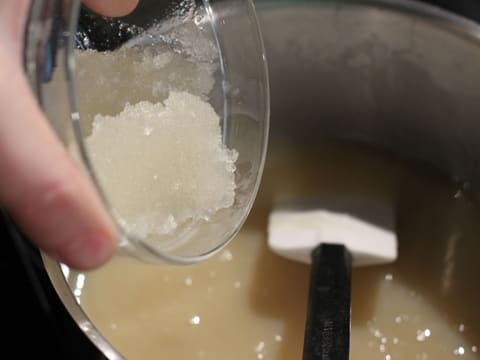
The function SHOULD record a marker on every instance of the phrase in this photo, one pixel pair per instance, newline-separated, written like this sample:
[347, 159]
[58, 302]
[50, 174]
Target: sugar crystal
[163, 165]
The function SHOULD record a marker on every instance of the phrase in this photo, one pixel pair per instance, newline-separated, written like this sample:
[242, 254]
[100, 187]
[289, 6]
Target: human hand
[46, 193]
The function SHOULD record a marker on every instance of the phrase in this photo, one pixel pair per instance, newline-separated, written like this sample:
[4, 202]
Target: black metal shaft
[327, 330]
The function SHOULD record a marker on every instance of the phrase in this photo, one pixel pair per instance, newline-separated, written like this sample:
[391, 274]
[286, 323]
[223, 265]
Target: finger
[112, 8]
[46, 193]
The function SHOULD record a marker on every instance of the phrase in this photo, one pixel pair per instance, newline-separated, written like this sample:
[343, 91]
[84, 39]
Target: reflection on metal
[65, 271]
[449, 262]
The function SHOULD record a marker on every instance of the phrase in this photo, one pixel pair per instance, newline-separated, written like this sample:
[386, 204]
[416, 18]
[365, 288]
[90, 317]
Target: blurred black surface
[35, 323]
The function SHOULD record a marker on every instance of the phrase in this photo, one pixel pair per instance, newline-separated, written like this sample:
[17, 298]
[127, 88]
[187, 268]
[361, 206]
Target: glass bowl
[184, 176]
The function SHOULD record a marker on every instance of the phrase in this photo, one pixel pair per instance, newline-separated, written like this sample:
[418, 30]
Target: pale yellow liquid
[247, 303]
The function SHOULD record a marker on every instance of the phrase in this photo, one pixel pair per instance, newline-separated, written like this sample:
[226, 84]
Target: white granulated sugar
[108, 80]
[163, 165]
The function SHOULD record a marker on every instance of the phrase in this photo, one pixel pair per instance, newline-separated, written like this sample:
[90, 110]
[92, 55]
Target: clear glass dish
[82, 65]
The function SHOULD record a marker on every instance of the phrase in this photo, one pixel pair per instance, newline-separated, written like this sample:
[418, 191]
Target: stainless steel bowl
[399, 76]
[395, 74]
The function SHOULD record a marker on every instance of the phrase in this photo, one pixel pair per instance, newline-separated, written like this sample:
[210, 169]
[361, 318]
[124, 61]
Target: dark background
[35, 324]
[468, 8]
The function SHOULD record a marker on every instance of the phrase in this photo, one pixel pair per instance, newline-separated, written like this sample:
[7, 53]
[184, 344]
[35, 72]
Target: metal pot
[395, 74]
[398, 76]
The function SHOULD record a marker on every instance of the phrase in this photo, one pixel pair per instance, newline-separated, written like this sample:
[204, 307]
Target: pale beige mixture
[247, 303]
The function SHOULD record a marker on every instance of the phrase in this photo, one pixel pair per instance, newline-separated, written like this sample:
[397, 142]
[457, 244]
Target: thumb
[114, 8]
[41, 187]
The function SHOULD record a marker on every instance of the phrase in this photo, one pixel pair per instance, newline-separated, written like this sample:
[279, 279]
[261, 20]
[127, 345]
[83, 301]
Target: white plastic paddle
[295, 233]
[332, 234]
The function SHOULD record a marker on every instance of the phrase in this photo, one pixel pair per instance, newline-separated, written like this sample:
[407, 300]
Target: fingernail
[87, 252]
